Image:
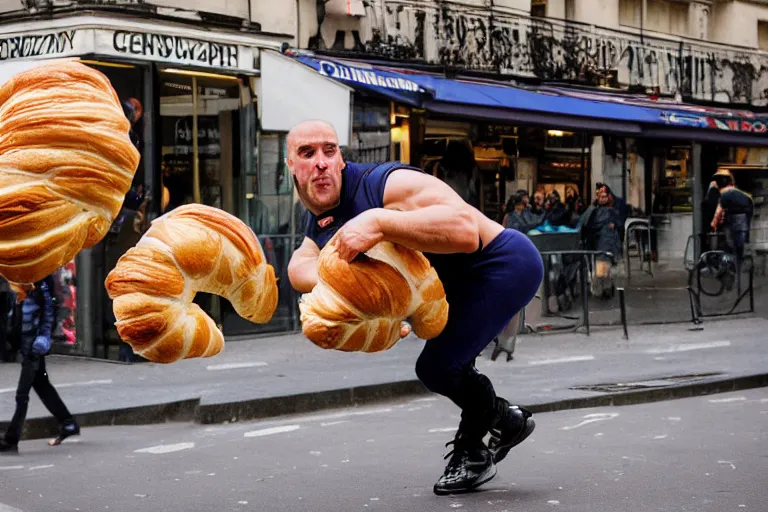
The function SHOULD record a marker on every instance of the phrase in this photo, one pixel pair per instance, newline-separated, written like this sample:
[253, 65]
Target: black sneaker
[7, 448]
[513, 424]
[468, 468]
[70, 429]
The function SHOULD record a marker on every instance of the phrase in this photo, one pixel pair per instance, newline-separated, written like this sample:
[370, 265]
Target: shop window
[200, 138]
[371, 136]
[128, 82]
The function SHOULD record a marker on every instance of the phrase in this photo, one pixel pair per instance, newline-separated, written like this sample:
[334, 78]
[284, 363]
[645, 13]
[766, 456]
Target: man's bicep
[307, 250]
[409, 190]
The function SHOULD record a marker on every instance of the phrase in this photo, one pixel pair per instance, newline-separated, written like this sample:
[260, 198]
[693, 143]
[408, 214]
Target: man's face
[315, 161]
[538, 198]
[602, 199]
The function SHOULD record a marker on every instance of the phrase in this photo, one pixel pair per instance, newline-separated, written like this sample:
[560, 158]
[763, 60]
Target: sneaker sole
[486, 477]
[502, 451]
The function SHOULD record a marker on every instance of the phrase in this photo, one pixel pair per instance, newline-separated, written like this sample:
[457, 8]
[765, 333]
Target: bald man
[489, 274]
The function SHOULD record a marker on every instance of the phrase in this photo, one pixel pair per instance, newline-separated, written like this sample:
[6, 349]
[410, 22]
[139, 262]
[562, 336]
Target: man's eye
[307, 154]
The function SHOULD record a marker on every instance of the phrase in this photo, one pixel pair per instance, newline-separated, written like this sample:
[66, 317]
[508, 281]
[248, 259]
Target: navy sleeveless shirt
[362, 188]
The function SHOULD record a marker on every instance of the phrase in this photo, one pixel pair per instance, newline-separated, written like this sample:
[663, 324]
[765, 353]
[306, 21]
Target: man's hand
[358, 235]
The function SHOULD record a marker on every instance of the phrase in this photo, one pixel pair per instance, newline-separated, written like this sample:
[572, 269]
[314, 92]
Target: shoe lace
[457, 453]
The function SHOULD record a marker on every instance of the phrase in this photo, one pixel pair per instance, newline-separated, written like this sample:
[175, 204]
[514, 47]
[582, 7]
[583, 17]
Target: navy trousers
[482, 299]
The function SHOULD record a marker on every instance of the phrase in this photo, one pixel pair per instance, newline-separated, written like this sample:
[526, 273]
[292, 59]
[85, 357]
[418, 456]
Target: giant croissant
[66, 163]
[190, 249]
[359, 306]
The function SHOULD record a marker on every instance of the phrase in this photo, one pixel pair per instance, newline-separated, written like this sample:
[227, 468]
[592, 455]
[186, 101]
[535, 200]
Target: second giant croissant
[66, 162]
[359, 306]
[194, 248]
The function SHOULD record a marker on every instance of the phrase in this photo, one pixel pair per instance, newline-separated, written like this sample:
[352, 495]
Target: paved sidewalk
[288, 374]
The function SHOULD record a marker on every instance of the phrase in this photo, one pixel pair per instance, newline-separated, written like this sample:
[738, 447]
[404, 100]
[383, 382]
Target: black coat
[33, 317]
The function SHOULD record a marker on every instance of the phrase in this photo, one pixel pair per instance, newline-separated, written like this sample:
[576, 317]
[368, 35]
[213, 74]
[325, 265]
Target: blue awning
[544, 106]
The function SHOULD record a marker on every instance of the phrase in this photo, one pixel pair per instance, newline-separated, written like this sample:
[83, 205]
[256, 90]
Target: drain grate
[618, 387]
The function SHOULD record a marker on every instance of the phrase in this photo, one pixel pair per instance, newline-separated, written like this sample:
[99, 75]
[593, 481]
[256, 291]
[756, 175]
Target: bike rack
[695, 295]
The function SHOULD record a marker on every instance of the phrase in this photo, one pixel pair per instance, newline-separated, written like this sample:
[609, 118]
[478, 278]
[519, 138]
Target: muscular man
[489, 274]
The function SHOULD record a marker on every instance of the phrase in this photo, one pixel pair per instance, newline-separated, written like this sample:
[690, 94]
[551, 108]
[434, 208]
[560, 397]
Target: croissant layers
[66, 163]
[360, 306]
[194, 248]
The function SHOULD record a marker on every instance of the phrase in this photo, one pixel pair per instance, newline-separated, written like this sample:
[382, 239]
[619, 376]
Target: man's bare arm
[425, 214]
[302, 269]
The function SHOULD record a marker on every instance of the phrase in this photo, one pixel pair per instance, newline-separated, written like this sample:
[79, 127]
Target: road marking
[270, 431]
[336, 416]
[663, 436]
[41, 467]
[8, 508]
[592, 418]
[727, 462]
[728, 400]
[331, 423]
[446, 429]
[8, 468]
[689, 346]
[67, 385]
[234, 366]
[166, 448]
[572, 359]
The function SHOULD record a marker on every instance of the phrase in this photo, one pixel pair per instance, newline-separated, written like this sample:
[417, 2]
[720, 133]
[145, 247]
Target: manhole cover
[661, 382]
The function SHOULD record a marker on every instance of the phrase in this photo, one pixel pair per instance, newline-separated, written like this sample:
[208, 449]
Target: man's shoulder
[371, 170]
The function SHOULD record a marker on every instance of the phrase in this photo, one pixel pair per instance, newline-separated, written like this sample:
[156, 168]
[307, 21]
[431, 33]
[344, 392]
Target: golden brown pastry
[360, 306]
[194, 248]
[66, 163]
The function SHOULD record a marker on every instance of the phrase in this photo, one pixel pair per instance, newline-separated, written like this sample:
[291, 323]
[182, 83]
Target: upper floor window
[668, 17]
[631, 13]
[762, 35]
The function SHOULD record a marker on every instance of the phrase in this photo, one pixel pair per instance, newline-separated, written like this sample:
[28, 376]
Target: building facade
[214, 86]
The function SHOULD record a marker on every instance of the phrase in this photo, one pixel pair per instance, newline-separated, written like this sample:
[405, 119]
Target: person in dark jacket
[34, 317]
[557, 215]
[515, 216]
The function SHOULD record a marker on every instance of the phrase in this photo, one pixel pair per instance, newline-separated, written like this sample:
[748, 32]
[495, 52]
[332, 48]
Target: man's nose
[321, 164]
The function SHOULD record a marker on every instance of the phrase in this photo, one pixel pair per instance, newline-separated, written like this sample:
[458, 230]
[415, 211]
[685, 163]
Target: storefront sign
[366, 77]
[144, 45]
[54, 44]
[708, 121]
[182, 50]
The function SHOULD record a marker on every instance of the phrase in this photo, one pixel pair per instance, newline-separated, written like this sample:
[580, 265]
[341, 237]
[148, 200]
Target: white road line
[67, 385]
[166, 448]
[8, 508]
[727, 400]
[446, 429]
[331, 423]
[235, 366]
[572, 359]
[41, 467]
[270, 431]
[8, 468]
[592, 418]
[688, 346]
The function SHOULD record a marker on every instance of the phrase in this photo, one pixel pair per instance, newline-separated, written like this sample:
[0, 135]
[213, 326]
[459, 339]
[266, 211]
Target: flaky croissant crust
[359, 306]
[66, 163]
[194, 248]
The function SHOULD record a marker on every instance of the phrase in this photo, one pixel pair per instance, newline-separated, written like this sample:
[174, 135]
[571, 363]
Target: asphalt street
[696, 454]
[545, 369]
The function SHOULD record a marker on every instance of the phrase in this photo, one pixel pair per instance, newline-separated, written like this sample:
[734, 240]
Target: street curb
[644, 396]
[192, 410]
[270, 407]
